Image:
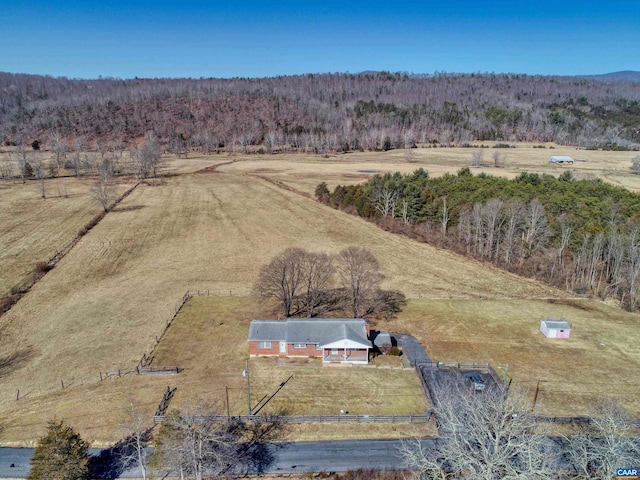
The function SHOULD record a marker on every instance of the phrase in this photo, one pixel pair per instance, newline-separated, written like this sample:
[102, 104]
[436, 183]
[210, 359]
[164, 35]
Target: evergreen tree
[61, 454]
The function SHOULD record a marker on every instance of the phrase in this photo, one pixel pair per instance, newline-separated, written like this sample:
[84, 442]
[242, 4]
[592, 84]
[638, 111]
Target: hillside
[317, 113]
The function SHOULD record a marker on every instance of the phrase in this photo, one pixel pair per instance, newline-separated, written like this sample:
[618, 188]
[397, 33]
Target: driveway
[412, 349]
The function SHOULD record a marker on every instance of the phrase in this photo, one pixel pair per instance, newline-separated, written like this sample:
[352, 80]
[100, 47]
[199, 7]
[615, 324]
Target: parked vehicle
[477, 384]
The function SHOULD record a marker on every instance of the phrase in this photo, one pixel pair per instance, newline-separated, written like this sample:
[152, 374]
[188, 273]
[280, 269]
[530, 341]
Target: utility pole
[245, 373]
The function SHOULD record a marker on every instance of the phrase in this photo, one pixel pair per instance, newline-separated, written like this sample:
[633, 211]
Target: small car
[476, 382]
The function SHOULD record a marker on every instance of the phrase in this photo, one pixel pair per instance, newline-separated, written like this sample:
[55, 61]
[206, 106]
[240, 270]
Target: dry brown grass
[601, 359]
[104, 303]
[33, 228]
[305, 172]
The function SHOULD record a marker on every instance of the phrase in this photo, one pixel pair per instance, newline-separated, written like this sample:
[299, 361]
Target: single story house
[555, 328]
[561, 159]
[335, 340]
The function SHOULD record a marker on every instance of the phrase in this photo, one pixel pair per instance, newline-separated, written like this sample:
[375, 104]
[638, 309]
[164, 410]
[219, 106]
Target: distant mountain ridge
[622, 76]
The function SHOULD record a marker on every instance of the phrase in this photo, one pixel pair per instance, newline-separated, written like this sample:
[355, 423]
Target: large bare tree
[195, 442]
[282, 278]
[483, 435]
[360, 275]
[302, 281]
[609, 440]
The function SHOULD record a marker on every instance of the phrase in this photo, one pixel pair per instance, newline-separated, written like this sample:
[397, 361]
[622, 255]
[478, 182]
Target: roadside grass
[600, 359]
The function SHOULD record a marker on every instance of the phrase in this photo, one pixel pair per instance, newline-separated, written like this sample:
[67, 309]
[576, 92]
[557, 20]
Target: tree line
[312, 284]
[582, 235]
[320, 113]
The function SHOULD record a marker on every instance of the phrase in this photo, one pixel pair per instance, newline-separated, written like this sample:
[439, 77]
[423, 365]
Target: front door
[283, 348]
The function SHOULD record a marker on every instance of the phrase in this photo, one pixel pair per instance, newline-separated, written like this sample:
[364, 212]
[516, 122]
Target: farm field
[305, 172]
[100, 309]
[33, 228]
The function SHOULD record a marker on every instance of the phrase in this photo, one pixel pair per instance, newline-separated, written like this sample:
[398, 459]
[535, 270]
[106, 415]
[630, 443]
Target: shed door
[283, 347]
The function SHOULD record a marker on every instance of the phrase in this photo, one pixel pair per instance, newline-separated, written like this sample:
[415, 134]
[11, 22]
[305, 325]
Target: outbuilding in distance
[561, 159]
[555, 328]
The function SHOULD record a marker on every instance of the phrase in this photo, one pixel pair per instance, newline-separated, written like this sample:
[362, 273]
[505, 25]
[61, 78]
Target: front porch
[347, 355]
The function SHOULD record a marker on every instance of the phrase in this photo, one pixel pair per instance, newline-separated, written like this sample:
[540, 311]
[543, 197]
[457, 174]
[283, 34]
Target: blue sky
[235, 38]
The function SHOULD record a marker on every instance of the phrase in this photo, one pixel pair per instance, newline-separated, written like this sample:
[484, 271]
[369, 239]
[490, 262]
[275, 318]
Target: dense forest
[581, 235]
[318, 113]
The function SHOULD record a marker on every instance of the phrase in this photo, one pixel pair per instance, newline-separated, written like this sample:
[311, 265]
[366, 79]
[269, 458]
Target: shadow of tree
[15, 361]
[112, 462]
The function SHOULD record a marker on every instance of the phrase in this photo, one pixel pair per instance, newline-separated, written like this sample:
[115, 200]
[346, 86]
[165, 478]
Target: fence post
[62, 383]
[18, 395]
[100, 376]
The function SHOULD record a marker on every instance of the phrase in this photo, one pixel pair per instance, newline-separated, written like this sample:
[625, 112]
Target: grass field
[105, 302]
[33, 228]
[305, 172]
[600, 359]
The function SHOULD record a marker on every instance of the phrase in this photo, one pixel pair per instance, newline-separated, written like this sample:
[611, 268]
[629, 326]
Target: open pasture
[33, 229]
[304, 172]
[104, 303]
[600, 359]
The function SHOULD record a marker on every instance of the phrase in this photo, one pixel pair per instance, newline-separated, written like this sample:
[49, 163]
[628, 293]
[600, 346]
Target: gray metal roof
[382, 339]
[309, 330]
[557, 324]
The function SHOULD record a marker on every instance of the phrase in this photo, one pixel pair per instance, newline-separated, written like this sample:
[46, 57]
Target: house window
[299, 345]
[334, 351]
[264, 345]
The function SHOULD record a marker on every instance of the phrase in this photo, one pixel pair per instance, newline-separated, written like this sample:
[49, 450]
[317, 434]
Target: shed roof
[561, 158]
[310, 330]
[382, 339]
[557, 324]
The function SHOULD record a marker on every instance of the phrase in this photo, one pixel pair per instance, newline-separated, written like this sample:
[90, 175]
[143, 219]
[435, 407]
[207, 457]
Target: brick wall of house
[254, 350]
[309, 351]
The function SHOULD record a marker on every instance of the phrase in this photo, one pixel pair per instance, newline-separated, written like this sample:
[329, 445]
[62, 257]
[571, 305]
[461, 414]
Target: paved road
[334, 456]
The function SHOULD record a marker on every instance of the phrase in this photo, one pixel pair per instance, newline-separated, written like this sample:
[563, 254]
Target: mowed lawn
[216, 355]
[600, 359]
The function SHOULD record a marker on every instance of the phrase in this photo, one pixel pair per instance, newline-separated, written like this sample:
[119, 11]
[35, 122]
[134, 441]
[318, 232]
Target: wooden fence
[159, 370]
[315, 418]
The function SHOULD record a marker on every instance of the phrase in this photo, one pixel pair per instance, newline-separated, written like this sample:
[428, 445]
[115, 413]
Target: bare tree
[132, 451]
[282, 278]
[147, 157]
[103, 191]
[607, 441]
[536, 230]
[317, 273]
[190, 443]
[444, 218]
[360, 274]
[498, 158]
[635, 165]
[488, 435]
[386, 202]
[476, 158]
[195, 442]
